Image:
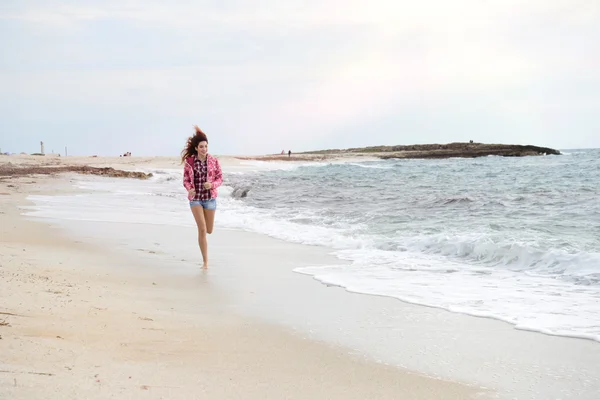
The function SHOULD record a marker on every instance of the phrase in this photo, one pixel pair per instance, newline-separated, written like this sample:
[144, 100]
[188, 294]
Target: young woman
[201, 177]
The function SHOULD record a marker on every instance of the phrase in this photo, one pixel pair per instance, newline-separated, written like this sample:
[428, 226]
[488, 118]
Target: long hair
[190, 147]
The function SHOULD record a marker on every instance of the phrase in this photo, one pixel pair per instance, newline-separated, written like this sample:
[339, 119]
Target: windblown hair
[190, 147]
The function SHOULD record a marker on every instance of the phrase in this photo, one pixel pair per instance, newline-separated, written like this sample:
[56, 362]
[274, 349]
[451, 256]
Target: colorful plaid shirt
[214, 175]
[200, 178]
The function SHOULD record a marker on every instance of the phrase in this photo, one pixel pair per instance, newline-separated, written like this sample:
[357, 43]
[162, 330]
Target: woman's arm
[218, 177]
[188, 177]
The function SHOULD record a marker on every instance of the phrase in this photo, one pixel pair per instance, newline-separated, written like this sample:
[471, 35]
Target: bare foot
[205, 265]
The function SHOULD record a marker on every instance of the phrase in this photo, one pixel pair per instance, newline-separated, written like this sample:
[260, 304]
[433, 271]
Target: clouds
[300, 74]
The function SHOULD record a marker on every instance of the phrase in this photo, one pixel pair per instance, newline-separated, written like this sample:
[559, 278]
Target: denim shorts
[206, 204]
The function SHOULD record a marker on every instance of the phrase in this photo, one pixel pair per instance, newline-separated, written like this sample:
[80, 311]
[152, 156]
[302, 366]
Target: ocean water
[516, 239]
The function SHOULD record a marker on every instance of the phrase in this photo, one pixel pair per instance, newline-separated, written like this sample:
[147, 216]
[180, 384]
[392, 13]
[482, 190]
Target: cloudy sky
[130, 75]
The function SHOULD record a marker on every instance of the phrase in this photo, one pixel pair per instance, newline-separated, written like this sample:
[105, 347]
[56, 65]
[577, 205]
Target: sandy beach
[300, 200]
[102, 310]
[79, 319]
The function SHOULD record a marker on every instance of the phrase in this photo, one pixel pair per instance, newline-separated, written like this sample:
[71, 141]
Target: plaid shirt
[213, 175]
[200, 178]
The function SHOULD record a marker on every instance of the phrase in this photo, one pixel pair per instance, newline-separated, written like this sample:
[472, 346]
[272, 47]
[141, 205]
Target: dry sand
[79, 321]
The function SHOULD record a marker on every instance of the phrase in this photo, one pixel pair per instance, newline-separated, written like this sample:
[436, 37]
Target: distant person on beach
[289, 153]
[202, 176]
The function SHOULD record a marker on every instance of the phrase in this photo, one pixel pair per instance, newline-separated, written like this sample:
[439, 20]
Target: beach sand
[106, 310]
[82, 320]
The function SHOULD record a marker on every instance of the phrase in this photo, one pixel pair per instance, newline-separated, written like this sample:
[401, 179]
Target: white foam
[538, 304]
[423, 269]
[261, 166]
[361, 165]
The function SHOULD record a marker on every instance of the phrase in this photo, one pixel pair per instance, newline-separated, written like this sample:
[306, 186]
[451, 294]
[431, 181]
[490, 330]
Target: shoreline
[252, 270]
[80, 322]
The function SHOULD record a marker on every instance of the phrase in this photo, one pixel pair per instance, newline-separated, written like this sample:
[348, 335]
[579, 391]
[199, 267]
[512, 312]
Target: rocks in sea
[240, 192]
[449, 150]
[115, 173]
[8, 170]
[461, 150]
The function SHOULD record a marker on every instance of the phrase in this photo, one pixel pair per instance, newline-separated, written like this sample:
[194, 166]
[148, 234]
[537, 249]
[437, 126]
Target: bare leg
[202, 242]
[209, 219]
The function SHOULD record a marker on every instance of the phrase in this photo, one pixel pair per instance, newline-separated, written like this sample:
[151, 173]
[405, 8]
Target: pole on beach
[66, 154]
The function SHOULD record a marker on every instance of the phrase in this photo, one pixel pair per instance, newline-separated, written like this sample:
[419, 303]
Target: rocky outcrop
[450, 150]
[9, 170]
[470, 151]
[463, 150]
[240, 192]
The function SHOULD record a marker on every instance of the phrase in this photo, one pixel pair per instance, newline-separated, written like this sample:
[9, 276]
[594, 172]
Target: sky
[264, 76]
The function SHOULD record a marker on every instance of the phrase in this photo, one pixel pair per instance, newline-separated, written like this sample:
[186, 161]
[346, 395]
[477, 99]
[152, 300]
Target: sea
[515, 239]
